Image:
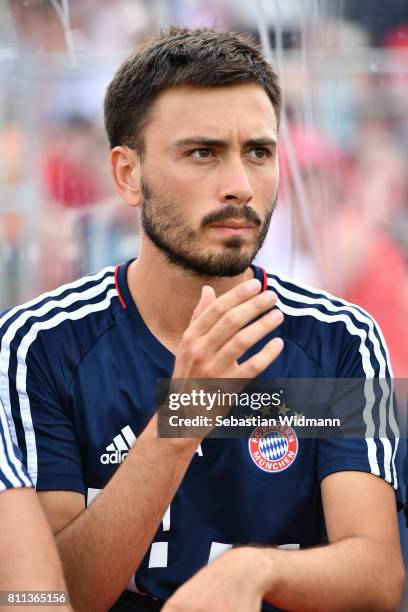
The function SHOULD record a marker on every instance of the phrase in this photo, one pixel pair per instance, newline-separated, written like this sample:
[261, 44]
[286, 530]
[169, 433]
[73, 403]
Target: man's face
[209, 176]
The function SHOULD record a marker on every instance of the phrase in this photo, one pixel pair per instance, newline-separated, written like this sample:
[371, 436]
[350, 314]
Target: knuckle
[240, 342]
[187, 337]
[252, 369]
[230, 319]
[259, 363]
[218, 308]
[266, 323]
[196, 354]
[207, 370]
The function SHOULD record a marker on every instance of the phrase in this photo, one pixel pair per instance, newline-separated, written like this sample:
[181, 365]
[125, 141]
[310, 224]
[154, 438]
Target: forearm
[352, 574]
[28, 557]
[103, 547]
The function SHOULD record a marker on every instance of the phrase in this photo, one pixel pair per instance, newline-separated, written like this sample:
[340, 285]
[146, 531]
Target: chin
[228, 262]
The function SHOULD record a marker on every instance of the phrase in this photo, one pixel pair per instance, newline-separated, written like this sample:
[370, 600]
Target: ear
[125, 169]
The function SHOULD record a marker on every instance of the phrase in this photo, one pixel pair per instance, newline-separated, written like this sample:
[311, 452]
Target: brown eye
[201, 153]
[259, 153]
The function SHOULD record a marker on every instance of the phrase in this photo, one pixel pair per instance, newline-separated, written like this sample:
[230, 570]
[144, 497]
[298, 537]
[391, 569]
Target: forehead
[223, 111]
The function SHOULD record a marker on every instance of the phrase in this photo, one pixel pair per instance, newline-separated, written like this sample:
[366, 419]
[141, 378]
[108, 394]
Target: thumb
[206, 298]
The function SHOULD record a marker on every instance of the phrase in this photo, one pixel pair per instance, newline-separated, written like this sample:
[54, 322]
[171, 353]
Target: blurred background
[342, 217]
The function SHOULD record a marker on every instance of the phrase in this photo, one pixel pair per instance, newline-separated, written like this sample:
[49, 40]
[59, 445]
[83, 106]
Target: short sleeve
[365, 404]
[42, 427]
[13, 474]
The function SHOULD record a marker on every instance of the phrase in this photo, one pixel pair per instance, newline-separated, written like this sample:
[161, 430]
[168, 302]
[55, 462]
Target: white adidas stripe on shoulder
[56, 292]
[30, 305]
[21, 376]
[360, 314]
[16, 477]
[367, 332]
[35, 308]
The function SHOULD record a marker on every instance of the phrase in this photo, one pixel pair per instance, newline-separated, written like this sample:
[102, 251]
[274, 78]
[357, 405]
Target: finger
[206, 298]
[216, 310]
[237, 318]
[258, 363]
[248, 337]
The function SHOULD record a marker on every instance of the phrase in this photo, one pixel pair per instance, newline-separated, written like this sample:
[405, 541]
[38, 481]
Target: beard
[168, 231]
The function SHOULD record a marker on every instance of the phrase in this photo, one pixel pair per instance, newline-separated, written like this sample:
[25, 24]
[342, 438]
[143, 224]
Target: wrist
[176, 446]
[258, 567]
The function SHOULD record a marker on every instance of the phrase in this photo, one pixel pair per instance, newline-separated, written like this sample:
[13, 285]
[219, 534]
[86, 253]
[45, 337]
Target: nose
[234, 184]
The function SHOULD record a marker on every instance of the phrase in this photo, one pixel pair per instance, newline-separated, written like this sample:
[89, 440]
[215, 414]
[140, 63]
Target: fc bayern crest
[273, 449]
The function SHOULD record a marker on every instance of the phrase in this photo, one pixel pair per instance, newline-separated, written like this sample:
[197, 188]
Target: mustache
[244, 213]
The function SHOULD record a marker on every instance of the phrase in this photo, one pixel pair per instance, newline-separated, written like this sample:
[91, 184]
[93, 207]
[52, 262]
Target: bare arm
[102, 546]
[360, 569]
[28, 557]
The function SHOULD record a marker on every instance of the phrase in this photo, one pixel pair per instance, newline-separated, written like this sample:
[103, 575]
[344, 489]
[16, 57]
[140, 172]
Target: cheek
[266, 188]
[187, 192]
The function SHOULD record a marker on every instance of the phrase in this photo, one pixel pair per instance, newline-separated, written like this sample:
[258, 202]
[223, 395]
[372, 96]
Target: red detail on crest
[273, 449]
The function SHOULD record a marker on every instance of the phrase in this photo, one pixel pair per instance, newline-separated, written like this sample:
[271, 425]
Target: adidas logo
[118, 450]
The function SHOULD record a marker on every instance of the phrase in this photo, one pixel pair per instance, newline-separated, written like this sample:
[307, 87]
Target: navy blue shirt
[13, 475]
[79, 372]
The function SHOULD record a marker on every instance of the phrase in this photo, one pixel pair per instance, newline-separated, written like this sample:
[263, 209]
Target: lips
[233, 224]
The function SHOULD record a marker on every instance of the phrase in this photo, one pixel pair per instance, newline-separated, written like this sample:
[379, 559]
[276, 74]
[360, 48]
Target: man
[29, 563]
[192, 121]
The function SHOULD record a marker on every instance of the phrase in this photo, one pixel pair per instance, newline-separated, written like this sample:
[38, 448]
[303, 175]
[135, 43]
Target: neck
[166, 295]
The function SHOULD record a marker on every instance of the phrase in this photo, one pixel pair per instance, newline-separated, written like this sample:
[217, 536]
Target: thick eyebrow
[202, 141]
[261, 142]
